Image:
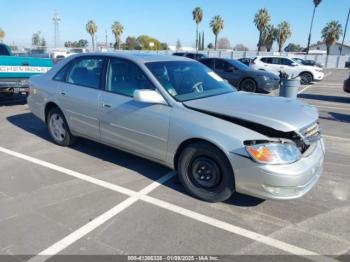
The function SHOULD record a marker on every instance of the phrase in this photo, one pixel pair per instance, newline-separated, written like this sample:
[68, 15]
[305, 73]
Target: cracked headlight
[274, 153]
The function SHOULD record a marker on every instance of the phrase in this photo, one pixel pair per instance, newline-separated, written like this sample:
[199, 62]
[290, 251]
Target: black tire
[191, 156]
[66, 140]
[248, 85]
[306, 78]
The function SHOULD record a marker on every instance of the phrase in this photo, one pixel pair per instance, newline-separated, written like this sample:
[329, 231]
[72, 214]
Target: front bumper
[14, 83]
[318, 76]
[278, 181]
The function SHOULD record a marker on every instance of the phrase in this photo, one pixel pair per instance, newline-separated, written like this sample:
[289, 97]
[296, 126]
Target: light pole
[346, 27]
[56, 20]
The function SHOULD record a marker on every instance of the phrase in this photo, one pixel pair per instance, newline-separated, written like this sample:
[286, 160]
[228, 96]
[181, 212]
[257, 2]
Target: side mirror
[294, 64]
[149, 96]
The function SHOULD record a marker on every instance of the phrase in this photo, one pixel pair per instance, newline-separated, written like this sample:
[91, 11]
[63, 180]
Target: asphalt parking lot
[91, 199]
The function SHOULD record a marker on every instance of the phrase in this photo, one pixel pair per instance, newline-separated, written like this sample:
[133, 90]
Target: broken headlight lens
[274, 153]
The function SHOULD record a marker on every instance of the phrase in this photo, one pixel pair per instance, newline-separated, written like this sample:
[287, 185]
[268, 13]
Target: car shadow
[29, 123]
[338, 117]
[337, 99]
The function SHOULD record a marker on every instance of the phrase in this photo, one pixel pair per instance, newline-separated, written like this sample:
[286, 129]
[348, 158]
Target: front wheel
[205, 172]
[248, 85]
[58, 128]
[306, 78]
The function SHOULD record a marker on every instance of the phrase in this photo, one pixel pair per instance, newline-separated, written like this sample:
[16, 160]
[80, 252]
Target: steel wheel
[205, 172]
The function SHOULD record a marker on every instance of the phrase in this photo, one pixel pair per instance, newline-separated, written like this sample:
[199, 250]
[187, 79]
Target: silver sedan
[179, 113]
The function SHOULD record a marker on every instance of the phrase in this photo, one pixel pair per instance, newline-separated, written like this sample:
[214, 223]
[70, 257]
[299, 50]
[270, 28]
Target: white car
[276, 64]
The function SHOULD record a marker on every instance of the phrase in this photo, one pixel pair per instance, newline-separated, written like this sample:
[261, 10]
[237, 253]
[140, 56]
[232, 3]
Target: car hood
[275, 112]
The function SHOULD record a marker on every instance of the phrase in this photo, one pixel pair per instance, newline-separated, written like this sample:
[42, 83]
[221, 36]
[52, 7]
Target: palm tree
[91, 28]
[283, 33]
[2, 35]
[197, 17]
[117, 29]
[261, 20]
[217, 24]
[316, 3]
[269, 36]
[331, 34]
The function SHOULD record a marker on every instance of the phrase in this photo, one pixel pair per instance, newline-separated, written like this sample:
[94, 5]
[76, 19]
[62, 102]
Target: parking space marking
[331, 107]
[141, 195]
[89, 227]
[69, 172]
[336, 138]
[304, 89]
[238, 230]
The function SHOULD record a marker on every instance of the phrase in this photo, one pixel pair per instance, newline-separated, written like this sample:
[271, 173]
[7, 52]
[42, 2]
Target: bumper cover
[278, 181]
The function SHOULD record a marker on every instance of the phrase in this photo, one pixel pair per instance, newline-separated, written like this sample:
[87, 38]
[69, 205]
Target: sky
[166, 20]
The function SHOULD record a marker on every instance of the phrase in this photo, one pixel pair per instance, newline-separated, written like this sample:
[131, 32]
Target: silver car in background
[179, 113]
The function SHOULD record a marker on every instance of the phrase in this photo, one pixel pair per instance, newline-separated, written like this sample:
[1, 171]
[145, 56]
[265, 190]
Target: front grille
[311, 133]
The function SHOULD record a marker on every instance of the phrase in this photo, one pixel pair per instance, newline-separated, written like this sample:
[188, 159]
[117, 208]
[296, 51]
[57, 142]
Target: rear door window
[220, 65]
[86, 72]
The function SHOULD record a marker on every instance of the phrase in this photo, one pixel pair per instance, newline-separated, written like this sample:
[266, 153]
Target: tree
[36, 41]
[331, 34]
[82, 43]
[131, 43]
[210, 46]
[283, 33]
[316, 4]
[224, 43]
[43, 42]
[261, 20]
[268, 37]
[240, 47]
[216, 24]
[2, 34]
[91, 28]
[164, 46]
[293, 48]
[197, 14]
[117, 30]
[178, 45]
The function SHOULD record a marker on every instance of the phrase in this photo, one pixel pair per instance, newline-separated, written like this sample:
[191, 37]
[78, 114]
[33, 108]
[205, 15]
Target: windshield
[186, 80]
[239, 65]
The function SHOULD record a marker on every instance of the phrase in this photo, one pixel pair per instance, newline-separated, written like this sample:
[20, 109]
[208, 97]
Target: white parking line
[141, 195]
[330, 107]
[336, 138]
[237, 230]
[304, 89]
[89, 227]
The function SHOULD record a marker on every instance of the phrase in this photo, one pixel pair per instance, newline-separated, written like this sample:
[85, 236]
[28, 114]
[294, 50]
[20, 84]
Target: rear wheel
[248, 85]
[58, 128]
[306, 78]
[205, 172]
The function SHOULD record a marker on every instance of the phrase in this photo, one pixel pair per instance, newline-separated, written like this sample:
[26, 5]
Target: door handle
[62, 93]
[106, 105]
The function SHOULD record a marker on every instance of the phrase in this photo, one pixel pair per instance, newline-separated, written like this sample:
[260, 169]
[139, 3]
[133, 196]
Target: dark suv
[195, 56]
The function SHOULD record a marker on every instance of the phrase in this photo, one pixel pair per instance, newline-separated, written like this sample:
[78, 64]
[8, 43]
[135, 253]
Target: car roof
[139, 57]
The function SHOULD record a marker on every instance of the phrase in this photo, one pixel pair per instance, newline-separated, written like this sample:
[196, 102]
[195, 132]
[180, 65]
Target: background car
[195, 56]
[245, 60]
[307, 62]
[276, 64]
[242, 76]
[346, 86]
